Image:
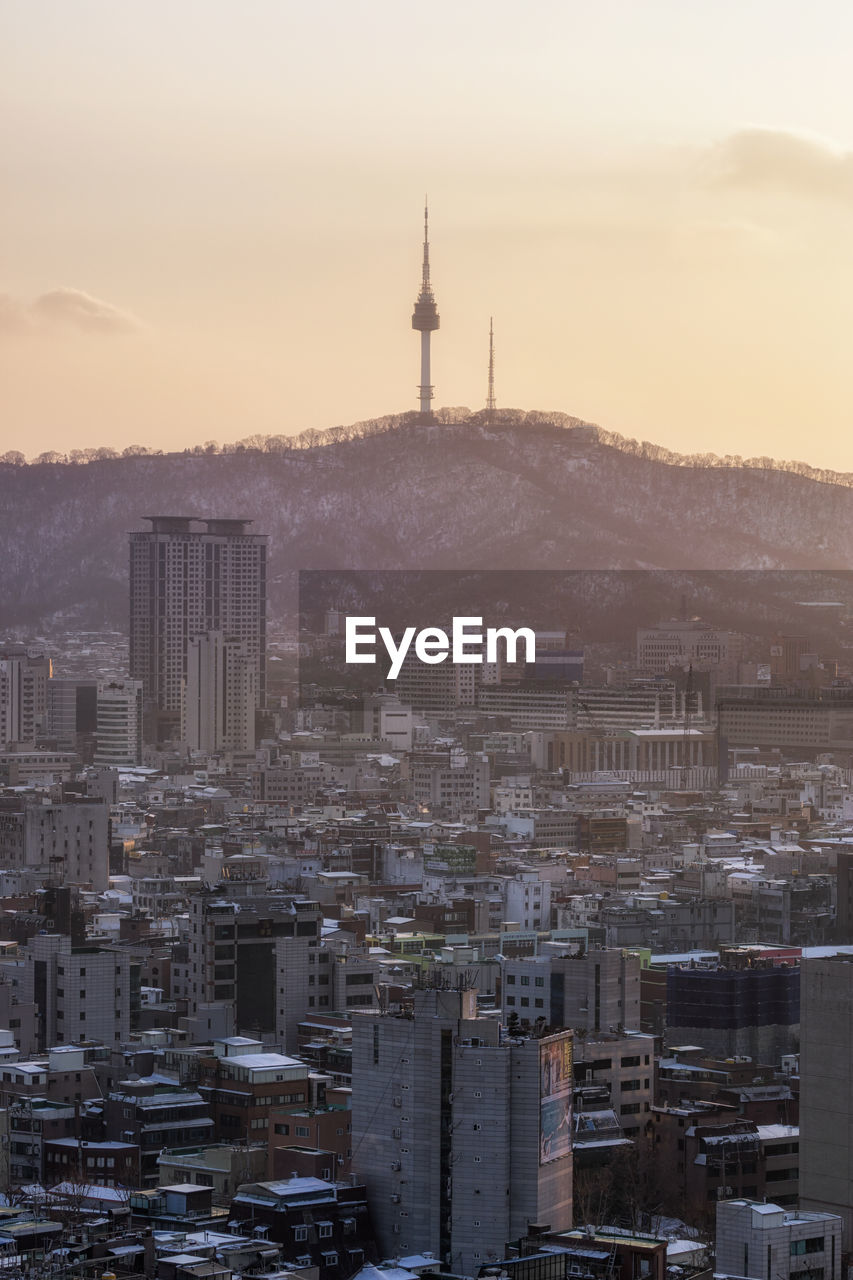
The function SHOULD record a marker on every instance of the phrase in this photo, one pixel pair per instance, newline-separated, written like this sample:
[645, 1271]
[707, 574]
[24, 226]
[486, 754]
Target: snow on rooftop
[263, 1060]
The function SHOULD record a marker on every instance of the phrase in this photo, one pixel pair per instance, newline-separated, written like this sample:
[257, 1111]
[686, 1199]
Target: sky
[211, 217]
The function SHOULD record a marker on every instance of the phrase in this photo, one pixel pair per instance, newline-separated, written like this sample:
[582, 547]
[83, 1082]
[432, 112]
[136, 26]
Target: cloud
[783, 161]
[63, 309]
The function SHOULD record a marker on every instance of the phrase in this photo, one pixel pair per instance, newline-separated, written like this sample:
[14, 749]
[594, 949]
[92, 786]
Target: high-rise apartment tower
[188, 577]
[463, 1134]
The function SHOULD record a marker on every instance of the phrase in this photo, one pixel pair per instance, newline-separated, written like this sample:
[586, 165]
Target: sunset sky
[211, 215]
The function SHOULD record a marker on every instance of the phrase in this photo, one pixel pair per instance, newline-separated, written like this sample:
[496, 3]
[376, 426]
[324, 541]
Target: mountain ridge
[536, 491]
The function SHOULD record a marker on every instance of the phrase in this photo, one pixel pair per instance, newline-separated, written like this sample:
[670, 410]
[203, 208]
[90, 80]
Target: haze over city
[211, 217]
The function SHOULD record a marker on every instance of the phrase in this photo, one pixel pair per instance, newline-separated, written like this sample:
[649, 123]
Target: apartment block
[187, 578]
[69, 841]
[219, 696]
[82, 993]
[463, 1135]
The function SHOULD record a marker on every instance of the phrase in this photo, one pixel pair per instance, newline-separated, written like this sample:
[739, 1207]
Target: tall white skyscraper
[188, 577]
[220, 695]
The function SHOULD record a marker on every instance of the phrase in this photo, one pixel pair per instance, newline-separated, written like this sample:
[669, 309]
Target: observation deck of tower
[424, 320]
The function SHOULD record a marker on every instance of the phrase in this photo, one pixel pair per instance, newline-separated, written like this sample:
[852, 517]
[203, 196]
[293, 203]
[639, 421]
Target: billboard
[555, 1098]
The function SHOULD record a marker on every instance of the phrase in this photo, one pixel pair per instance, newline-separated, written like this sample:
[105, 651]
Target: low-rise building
[769, 1242]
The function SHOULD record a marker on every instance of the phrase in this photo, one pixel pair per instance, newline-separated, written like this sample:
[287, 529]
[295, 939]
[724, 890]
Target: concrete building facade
[184, 581]
[119, 722]
[768, 1242]
[463, 1135]
[826, 1088]
[220, 695]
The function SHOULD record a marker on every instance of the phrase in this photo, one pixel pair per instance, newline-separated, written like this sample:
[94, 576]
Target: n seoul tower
[425, 319]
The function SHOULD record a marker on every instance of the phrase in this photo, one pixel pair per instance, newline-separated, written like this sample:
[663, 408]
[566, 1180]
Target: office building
[24, 678]
[82, 993]
[72, 709]
[186, 580]
[735, 1008]
[680, 643]
[67, 841]
[226, 973]
[220, 695]
[826, 1088]
[769, 1242]
[461, 1133]
[452, 784]
[803, 723]
[119, 723]
[597, 991]
[385, 717]
[622, 1063]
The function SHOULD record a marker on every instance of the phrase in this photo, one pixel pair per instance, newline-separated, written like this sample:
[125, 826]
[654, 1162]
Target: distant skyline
[211, 217]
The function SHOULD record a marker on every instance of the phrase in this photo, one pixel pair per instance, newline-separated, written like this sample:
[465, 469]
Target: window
[325, 1230]
[300, 1233]
[330, 1258]
[815, 1244]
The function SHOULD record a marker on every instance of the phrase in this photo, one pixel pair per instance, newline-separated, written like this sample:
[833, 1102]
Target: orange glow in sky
[210, 222]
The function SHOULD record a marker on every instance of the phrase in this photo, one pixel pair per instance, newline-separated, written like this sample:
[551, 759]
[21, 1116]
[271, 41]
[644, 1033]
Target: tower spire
[426, 287]
[425, 319]
[490, 399]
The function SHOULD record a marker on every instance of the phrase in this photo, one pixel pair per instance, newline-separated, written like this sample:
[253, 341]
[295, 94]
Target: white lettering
[432, 645]
[461, 637]
[511, 638]
[396, 652]
[354, 639]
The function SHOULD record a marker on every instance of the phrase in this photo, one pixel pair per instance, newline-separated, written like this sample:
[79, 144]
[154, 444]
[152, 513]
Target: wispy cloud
[63, 309]
[782, 160]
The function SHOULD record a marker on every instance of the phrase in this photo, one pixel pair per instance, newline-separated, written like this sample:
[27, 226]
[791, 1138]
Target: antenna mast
[490, 399]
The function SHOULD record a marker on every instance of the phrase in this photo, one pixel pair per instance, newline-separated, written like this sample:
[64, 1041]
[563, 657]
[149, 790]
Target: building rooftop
[266, 1061]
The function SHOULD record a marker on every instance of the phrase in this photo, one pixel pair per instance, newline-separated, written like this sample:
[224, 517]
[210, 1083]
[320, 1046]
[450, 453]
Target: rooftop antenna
[490, 399]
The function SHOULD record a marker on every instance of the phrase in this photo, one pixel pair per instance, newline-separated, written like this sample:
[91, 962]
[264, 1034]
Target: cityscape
[540, 964]
[426, 841]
